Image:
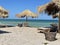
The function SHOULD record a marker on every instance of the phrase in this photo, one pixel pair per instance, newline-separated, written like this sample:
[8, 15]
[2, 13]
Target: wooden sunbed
[42, 29]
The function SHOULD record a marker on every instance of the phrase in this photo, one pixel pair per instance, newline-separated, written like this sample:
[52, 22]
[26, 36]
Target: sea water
[32, 23]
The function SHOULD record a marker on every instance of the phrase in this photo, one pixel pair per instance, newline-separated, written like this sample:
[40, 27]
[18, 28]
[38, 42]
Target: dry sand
[25, 36]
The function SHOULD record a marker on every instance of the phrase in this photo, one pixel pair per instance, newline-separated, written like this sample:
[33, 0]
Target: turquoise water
[32, 23]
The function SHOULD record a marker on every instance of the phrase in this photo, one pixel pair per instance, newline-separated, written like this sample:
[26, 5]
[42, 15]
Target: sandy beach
[24, 36]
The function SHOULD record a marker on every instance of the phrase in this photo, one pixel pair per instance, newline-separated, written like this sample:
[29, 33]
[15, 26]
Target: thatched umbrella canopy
[53, 9]
[3, 12]
[42, 8]
[26, 13]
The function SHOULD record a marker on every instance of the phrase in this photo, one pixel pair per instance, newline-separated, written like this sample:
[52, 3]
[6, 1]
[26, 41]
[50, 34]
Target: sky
[17, 6]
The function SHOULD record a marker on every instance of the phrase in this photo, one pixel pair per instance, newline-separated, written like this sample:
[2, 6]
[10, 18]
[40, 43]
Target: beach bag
[50, 36]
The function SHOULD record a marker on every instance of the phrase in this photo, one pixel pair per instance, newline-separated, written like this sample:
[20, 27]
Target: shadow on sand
[2, 32]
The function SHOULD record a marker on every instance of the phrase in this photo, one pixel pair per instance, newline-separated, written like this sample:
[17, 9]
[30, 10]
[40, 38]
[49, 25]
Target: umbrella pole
[26, 18]
[59, 23]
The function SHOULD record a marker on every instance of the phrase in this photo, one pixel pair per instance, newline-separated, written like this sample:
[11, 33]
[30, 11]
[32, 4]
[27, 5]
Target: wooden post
[59, 23]
[26, 18]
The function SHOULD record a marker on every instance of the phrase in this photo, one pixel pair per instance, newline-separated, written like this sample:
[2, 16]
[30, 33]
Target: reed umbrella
[42, 8]
[3, 12]
[26, 13]
[53, 9]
